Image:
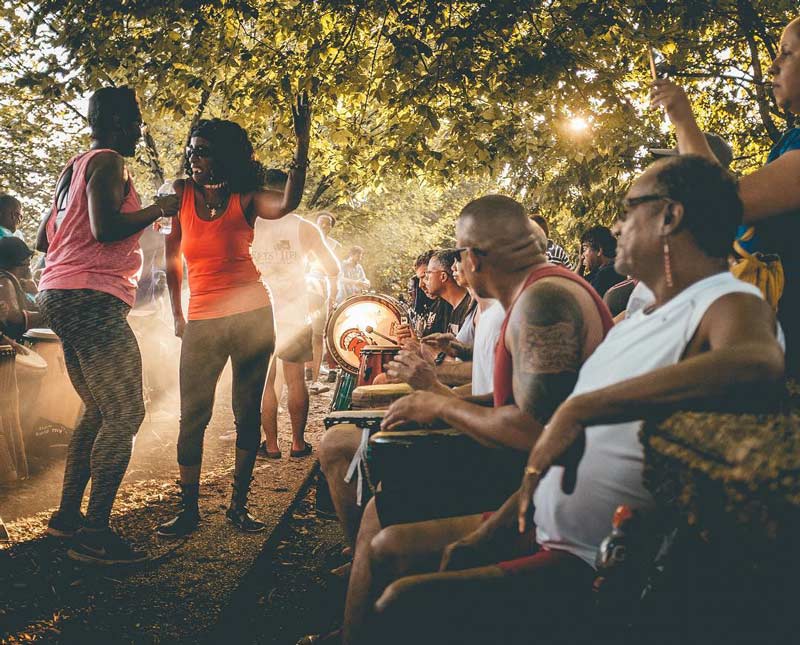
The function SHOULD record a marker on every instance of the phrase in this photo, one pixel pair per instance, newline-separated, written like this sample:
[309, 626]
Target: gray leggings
[248, 339]
[104, 364]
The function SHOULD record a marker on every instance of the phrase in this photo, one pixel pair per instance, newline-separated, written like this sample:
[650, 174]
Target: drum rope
[355, 466]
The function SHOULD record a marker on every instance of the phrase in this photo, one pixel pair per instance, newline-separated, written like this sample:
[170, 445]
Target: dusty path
[179, 595]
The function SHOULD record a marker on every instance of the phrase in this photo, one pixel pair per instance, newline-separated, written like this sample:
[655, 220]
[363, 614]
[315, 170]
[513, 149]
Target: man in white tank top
[708, 340]
[280, 248]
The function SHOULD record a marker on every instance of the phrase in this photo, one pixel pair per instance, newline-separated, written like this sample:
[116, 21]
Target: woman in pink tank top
[229, 309]
[91, 237]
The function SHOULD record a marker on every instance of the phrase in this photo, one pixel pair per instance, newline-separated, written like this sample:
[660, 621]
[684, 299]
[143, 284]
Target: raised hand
[301, 116]
[672, 97]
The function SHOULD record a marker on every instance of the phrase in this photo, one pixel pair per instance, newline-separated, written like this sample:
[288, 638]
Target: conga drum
[367, 397]
[438, 472]
[345, 382]
[58, 401]
[31, 371]
[13, 460]
[373, 360]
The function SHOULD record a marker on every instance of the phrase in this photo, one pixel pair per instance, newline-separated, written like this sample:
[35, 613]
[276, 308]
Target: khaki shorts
[293, 342]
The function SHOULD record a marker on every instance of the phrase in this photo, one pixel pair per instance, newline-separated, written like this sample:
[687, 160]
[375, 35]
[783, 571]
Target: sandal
[301, 453]
[263, 452]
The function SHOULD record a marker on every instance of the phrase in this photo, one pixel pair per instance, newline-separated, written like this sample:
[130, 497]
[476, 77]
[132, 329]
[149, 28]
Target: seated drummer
[555, 324]
[18, 312]
[708, 342]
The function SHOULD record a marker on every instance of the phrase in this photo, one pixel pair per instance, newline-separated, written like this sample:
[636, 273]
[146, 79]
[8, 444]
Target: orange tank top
[223, 280]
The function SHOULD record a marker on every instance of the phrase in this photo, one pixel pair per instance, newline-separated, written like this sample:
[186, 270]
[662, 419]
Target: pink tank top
[75, 259]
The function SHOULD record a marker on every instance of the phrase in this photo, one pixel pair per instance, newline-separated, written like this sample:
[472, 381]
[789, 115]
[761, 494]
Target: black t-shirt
[603, 278]
[435, 319]
[457, 315]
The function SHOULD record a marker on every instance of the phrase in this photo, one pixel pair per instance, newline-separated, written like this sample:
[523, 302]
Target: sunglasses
[204, 152]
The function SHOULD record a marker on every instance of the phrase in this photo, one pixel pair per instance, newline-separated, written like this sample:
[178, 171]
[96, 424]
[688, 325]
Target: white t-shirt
[610, 472]
[487, 331]
[279, 257]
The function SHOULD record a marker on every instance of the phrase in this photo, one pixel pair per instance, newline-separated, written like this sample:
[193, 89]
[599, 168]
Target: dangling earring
[668, 264]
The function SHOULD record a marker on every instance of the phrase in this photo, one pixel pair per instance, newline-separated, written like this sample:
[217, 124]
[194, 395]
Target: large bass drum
[346, 332]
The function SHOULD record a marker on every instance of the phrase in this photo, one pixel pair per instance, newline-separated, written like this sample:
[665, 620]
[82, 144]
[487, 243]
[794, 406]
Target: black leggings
[105, 367]
[249, 340]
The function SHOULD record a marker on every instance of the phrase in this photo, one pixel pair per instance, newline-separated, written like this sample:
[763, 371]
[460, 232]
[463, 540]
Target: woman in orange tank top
[230, 315]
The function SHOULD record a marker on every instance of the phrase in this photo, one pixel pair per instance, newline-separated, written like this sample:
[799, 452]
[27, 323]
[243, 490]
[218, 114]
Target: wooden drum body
[373, 362]
[433, 473]
[57, 402]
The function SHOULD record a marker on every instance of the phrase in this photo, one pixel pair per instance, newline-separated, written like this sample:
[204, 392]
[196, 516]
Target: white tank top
[610, 472]
[279, 257]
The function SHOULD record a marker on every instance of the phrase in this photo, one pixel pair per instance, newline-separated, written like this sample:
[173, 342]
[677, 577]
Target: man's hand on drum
[417, 408]
[446, 343]
[410, 367]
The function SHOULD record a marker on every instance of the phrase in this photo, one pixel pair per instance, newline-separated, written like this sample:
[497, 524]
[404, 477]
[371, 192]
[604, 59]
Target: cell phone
[658, 63]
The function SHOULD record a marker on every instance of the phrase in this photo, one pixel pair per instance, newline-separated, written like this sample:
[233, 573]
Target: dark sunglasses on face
[198, 151]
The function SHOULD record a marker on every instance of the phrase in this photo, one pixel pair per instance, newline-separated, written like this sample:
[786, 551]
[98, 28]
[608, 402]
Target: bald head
[498, 223]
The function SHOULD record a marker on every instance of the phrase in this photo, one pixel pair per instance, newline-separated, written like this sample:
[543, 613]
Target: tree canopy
[418, 104]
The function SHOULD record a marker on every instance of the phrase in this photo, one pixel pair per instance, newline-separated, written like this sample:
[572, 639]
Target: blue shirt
[781, 235]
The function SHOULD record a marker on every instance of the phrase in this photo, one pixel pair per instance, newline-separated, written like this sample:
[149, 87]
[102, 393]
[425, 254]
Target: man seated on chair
[709, 341]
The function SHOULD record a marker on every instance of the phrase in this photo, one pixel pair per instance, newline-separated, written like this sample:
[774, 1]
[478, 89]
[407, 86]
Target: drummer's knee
[338, 446]
[385, 550]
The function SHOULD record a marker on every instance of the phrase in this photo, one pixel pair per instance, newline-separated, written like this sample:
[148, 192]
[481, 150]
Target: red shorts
[533, 557]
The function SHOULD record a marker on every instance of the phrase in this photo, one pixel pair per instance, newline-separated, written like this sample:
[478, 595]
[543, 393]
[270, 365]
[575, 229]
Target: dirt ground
[180, 594]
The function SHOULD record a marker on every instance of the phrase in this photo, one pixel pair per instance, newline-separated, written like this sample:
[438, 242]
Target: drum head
[41, 333]
[29, 360]
[346, 333]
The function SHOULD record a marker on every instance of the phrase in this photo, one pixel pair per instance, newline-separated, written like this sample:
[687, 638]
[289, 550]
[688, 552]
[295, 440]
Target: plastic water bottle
[165, 223]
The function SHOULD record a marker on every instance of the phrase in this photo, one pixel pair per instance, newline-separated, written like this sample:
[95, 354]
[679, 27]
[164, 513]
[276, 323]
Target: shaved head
[497, 223]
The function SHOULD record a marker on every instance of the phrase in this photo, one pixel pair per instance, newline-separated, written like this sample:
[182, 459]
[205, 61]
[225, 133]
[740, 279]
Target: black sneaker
[103, 547]
[182, 524]
[242, 520]
[62, 525]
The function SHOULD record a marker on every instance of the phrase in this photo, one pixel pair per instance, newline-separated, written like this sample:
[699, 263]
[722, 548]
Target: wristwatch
[439, 358]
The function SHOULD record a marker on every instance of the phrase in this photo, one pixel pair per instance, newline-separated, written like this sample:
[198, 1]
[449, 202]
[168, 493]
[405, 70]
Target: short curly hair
[234, 158]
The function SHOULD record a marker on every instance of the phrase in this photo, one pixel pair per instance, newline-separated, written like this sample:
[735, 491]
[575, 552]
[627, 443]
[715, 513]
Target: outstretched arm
[272, 204]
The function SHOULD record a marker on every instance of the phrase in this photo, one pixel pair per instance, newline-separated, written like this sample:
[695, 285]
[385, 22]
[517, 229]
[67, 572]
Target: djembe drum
[728, 486]
[374, 397]
[13, 461]
[58, 401]
[438, 472]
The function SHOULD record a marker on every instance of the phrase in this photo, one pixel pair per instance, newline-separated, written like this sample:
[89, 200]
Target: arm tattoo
[547, 342]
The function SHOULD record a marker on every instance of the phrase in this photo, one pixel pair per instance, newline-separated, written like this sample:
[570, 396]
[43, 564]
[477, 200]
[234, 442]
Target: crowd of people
[560, 359]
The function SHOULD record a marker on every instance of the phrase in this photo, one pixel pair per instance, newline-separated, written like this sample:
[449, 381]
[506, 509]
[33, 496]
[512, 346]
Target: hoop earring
[668, 264]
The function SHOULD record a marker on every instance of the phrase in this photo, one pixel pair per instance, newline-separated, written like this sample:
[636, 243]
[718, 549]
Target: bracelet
[533, 470]
[163, 214]
[296, 165]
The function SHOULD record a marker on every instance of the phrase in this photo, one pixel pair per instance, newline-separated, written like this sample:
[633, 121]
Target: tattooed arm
[545, 337]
